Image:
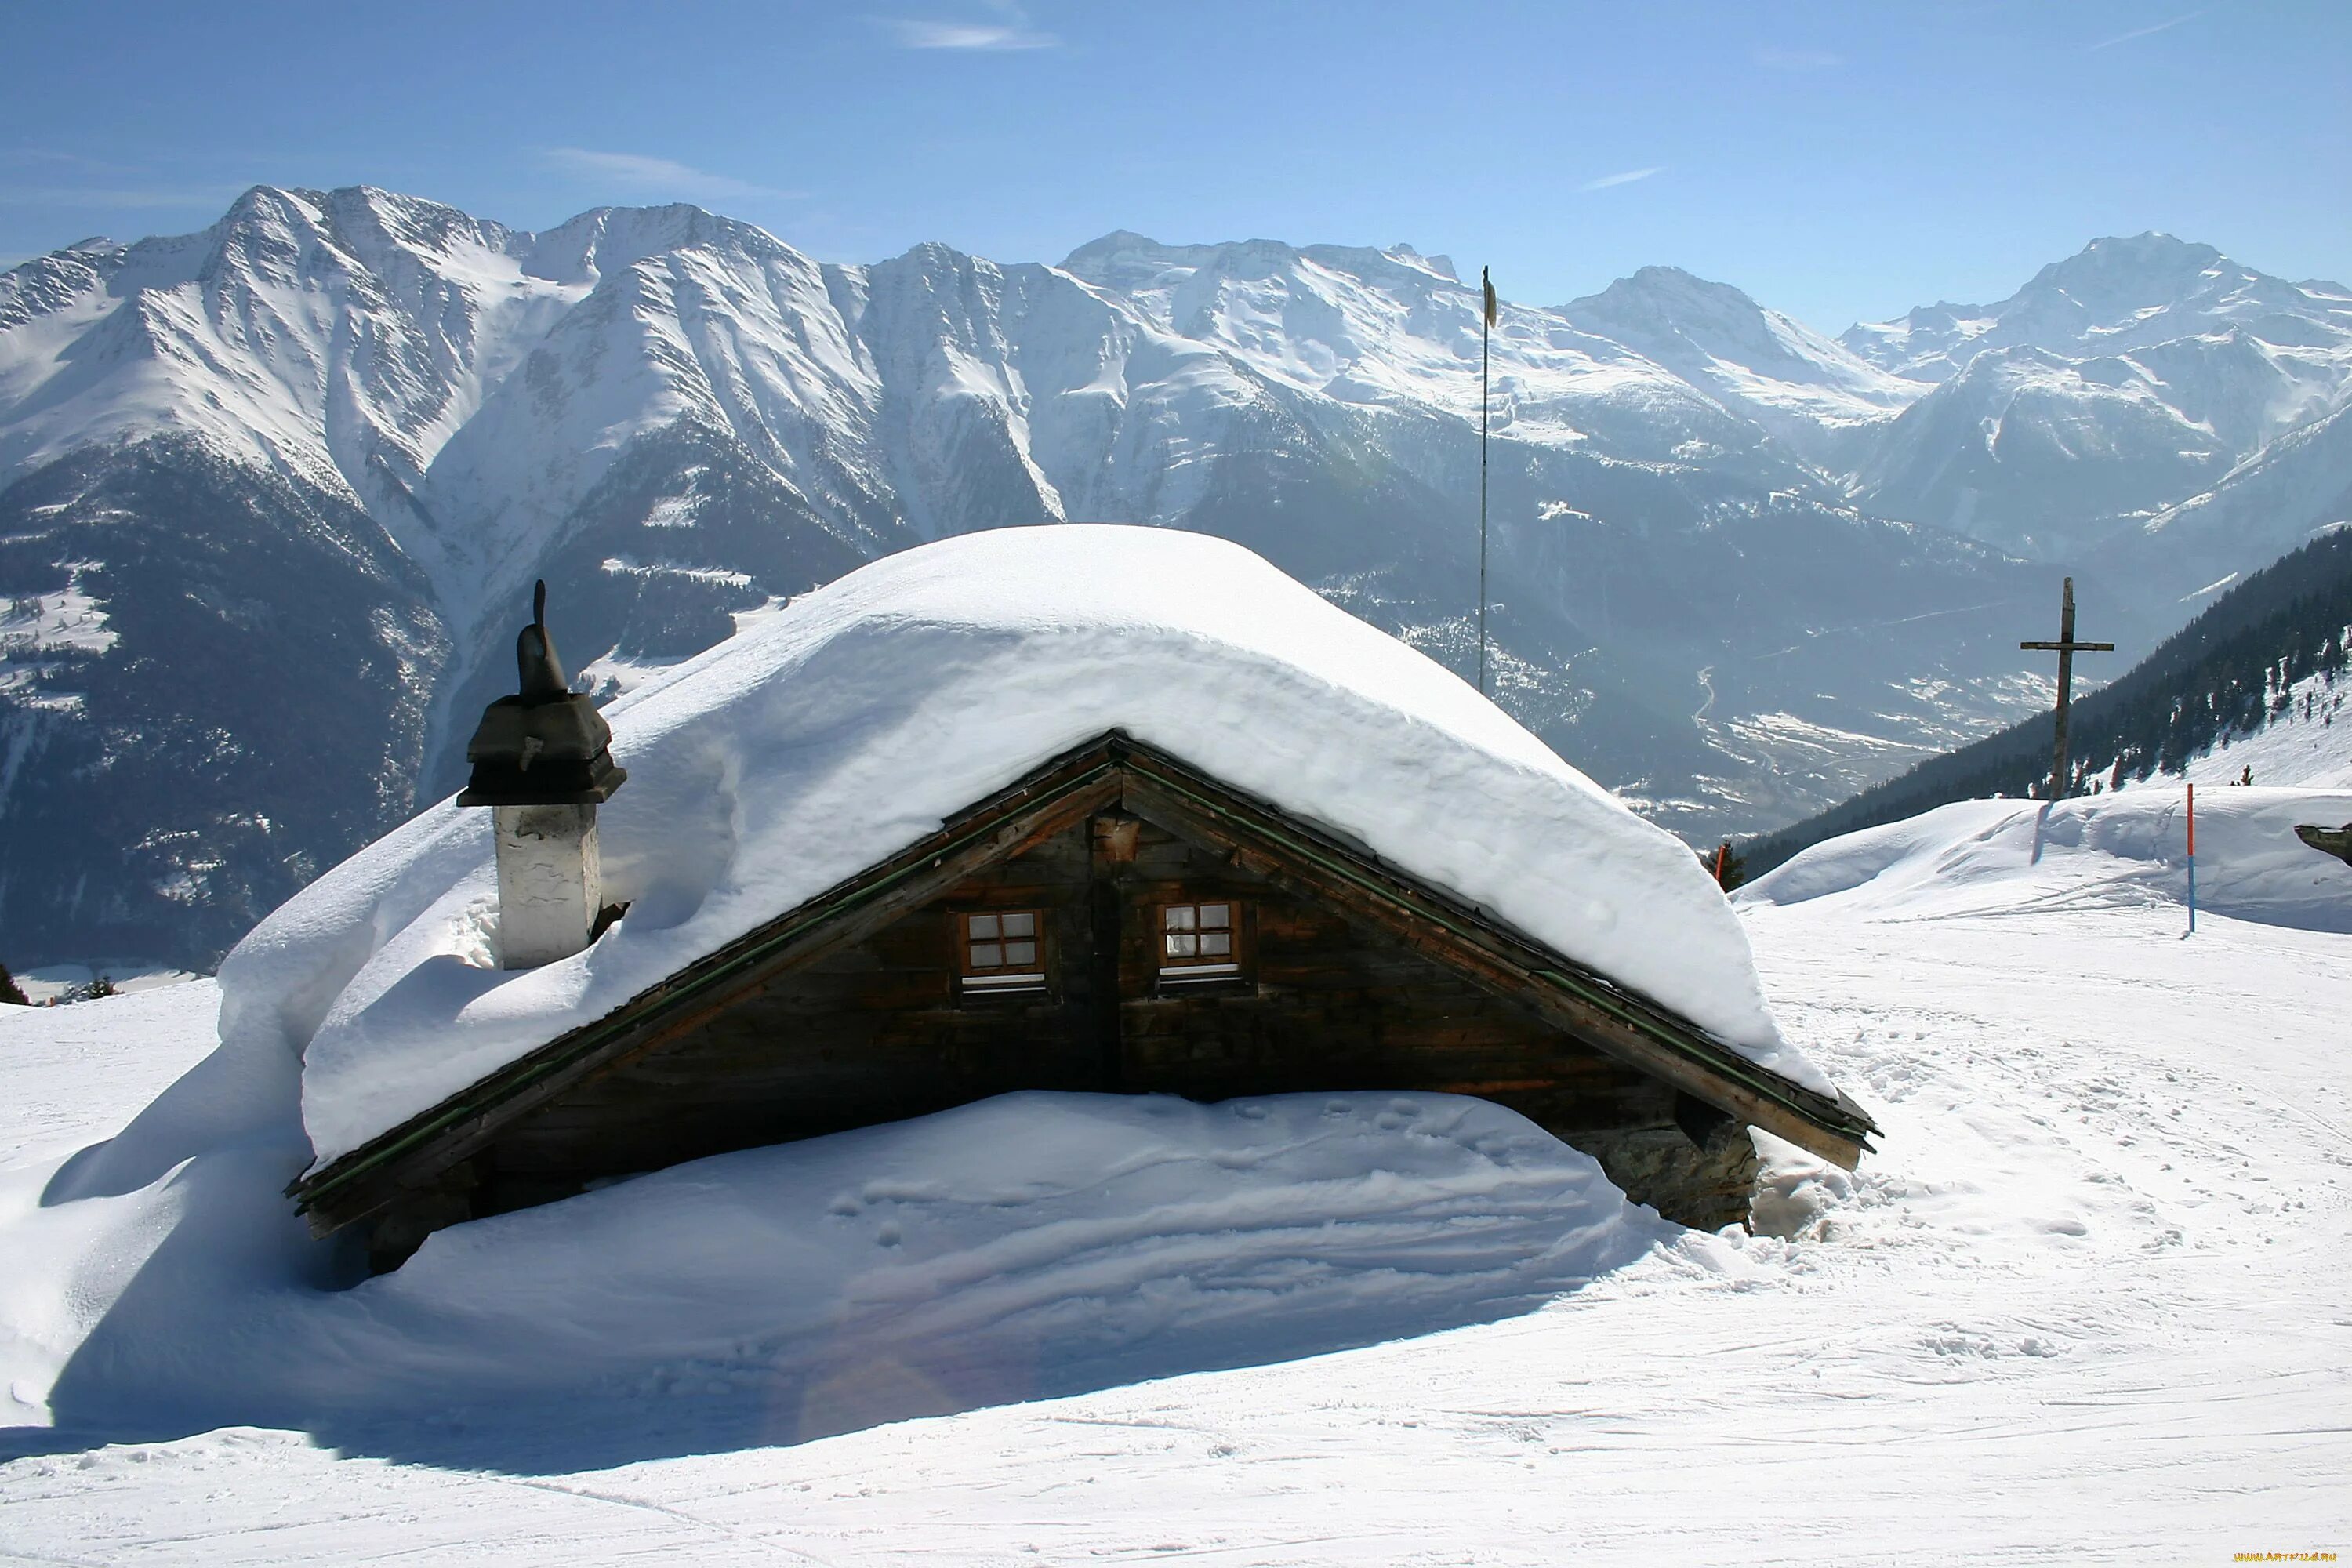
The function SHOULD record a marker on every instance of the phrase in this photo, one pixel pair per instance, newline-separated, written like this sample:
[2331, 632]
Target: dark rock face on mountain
[252, 711]
[272, 495]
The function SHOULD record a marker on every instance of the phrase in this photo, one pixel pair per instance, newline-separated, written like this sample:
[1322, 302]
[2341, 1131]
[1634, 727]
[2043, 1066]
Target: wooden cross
[2067, 648]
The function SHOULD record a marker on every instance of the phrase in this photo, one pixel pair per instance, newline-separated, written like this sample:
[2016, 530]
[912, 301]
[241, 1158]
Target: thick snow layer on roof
[848, 726]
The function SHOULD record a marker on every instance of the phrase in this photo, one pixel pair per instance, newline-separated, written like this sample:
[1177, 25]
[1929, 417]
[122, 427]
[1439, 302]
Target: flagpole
[1485, 322]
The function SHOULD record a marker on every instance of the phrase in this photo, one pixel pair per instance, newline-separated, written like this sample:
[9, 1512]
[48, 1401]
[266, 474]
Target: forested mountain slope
[2270, 650]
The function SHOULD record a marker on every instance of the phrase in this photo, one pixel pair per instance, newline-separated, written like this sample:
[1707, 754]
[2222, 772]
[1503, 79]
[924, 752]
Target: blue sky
[1836, 161]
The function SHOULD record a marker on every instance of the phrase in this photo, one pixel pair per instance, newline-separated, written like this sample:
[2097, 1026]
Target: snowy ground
[2089, 1305]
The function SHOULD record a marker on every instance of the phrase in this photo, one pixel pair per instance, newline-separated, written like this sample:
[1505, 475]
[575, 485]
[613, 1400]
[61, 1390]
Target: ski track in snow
[2088, 1306]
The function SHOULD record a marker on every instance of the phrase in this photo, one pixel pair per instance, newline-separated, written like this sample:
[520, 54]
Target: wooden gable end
[884, 1030]
[862, 1010]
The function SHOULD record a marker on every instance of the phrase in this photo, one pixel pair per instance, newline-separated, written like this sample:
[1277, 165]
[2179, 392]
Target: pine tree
[89, 989]
[12, 993]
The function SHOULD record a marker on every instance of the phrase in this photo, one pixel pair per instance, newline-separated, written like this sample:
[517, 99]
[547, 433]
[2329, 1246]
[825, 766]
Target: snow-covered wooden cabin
[1071, 809]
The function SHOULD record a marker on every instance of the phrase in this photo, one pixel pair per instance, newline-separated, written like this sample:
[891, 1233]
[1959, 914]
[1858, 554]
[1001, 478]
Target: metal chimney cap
[546, 746]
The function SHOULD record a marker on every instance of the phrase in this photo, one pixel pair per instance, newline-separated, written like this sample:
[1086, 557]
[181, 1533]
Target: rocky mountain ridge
[324, 445]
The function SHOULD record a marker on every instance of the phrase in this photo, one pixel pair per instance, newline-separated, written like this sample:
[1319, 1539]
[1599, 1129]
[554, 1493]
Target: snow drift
[2130, 847]
[1024, 1246]
[847, 726]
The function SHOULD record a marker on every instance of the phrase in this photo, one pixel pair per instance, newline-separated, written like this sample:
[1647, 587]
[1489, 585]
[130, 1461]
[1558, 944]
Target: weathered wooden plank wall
[877, 1031]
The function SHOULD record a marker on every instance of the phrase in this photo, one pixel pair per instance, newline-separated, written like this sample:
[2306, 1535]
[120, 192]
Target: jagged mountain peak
[1803, 387]
[610, 239]
[2118, 294]
[365, 209]
[2131, 270]
[1124, 261]
[1668, 283]
[1660, 305]
[1436, 266]
[1129, 263]
[1118, 242]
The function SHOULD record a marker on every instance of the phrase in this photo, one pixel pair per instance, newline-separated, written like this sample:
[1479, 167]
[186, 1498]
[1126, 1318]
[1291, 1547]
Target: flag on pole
[1487, 284]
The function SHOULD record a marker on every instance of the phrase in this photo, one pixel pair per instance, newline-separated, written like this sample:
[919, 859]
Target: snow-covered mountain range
[2115, 383]
[272, 495]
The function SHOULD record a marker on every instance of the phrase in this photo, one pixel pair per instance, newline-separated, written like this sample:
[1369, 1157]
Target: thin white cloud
[2141, 32]
[1011, 30]
[913, 34]
[1625, 177]
[1774, 57]
[663, 176]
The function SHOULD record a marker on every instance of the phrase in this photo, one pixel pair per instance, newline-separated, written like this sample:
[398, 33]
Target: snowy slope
[2298, 485]
[2084, 1309]
[81, 1067]
[341, 337]
[2118, 296]
[1028, 1245]
[2038, 453]
[850, 725]
[1394, 328]
[2117, 381]
[1806, 388]
[2129, 848]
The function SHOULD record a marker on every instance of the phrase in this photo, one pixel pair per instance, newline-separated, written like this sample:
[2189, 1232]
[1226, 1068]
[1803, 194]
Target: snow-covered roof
[847, 726]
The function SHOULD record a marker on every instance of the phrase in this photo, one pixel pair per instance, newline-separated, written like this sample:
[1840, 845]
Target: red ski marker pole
[2193, 860]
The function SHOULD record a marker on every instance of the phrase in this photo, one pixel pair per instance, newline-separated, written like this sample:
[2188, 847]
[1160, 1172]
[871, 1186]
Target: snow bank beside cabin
[1021, 1248]
[847, 727]
[2129, 848]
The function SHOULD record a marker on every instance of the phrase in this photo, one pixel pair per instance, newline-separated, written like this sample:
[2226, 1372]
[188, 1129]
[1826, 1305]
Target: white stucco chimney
[542, 762]
[550, 883]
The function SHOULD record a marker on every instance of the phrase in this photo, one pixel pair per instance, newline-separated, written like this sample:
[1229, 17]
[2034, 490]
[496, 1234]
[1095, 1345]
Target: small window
[1003, 951]
[1200, 941]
